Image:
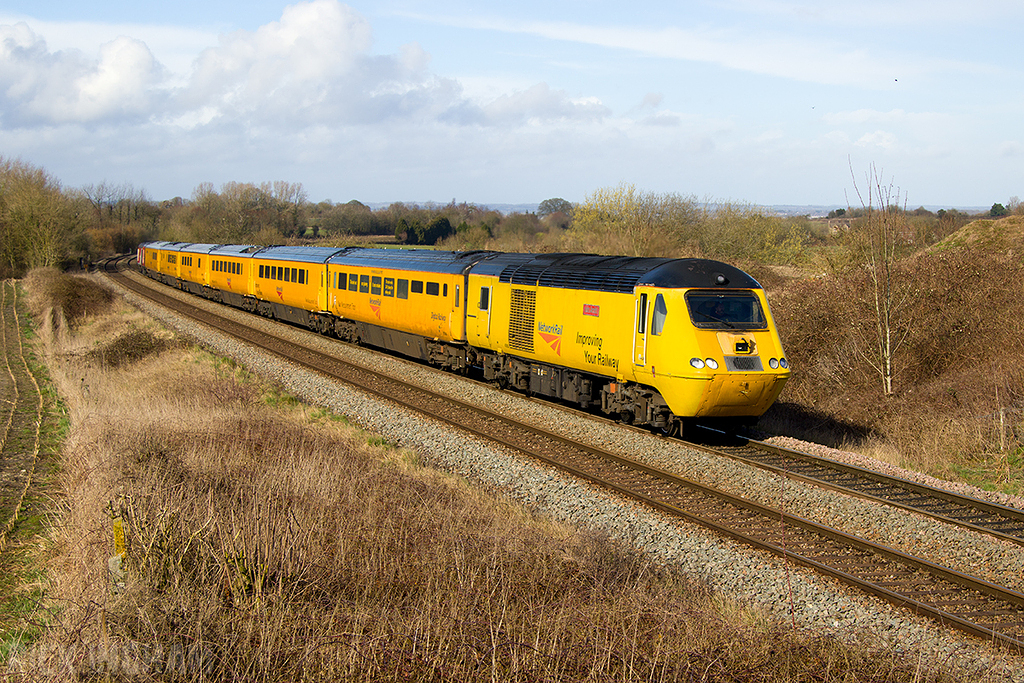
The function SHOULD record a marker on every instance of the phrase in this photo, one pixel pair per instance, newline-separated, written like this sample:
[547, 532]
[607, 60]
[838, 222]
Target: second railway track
[1001, 521]
[973, 605]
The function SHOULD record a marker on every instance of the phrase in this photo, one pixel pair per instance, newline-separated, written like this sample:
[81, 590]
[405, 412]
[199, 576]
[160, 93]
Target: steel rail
[999, 521]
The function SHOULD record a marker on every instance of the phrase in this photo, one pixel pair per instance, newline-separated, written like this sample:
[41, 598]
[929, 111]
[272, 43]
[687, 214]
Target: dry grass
[264, 543]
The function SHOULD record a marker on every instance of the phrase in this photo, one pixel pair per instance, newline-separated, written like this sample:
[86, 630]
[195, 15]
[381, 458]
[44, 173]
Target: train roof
[612, 273]
[235, 250]
[424, 260]
[566, 270]
[200, 248]
[302, 254]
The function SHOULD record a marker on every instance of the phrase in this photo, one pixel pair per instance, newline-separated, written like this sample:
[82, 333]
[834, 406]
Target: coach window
[417, 286]
[641, 323]
[445, 291]
[403, 289]
[433, 289]
[389, 286]
[660, 313]
[295, 275]
[303, 277]
[375, 284]
[364, 284]
[353, 282]
[485, 298]
[261, 271]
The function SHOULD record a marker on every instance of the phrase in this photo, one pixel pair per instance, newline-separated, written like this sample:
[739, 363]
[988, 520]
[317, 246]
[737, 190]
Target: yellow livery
[649, 340]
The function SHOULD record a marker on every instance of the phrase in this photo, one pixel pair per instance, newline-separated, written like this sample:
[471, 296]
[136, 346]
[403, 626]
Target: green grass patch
[1003, 473]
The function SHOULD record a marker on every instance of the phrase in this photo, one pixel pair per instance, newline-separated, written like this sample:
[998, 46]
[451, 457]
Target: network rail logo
[552, 336]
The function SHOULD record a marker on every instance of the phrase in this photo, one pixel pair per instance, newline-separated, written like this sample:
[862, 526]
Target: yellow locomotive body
[636, 322]
[650, 340]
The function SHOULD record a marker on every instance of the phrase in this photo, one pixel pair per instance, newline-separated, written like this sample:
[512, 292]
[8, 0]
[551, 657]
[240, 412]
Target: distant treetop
[554, 205]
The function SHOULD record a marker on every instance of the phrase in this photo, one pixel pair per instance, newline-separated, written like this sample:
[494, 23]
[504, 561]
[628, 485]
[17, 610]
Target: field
[210, 527]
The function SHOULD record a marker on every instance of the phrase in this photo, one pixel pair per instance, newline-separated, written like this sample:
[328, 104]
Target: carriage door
[640, 331]
[483, 311]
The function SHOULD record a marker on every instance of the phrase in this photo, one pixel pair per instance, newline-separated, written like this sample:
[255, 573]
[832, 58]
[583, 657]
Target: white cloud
[42, 87]
[313, 66]
[542, 103]
[878, 139]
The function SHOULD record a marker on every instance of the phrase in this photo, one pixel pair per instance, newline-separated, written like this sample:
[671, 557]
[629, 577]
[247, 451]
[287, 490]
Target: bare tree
[36, 220]
[881, 235]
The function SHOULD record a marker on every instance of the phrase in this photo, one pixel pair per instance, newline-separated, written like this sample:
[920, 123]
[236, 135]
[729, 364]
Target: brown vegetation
[212, 532]
[958, 388]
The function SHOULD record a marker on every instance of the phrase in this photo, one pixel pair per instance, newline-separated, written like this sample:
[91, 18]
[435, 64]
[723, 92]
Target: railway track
[956, 599]
[20, 415]
[1000, 521]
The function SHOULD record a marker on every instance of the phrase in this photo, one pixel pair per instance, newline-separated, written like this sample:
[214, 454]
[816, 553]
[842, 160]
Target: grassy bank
[213, 529]
[957, 406]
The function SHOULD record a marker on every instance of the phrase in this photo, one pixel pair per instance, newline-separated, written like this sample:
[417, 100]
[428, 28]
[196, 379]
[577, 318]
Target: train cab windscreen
[718, 311]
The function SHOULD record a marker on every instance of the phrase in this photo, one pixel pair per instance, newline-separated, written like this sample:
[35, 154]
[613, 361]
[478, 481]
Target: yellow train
[649, 340]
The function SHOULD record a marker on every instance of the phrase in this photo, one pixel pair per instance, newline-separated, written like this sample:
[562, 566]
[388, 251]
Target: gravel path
[784, 592]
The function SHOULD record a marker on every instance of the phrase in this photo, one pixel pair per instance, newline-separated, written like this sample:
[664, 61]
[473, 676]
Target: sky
[767, 102]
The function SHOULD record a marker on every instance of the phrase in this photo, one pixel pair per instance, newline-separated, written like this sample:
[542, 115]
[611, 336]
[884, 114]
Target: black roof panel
[613, 273]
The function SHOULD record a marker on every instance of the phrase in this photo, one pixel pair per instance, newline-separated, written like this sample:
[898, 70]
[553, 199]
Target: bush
[73, 297]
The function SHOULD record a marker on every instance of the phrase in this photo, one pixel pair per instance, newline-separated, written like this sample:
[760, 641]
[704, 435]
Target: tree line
[45, 224]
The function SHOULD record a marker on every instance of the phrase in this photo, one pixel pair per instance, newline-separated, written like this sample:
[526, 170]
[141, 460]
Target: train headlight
[712, 363]
[784, 363]
[697, 363]
[773, 364]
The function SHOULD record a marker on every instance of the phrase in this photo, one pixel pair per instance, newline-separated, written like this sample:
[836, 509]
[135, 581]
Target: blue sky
[760, 101]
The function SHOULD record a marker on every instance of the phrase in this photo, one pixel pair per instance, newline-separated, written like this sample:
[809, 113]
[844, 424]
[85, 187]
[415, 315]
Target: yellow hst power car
[649, 340]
